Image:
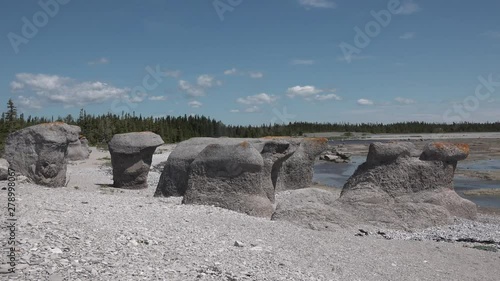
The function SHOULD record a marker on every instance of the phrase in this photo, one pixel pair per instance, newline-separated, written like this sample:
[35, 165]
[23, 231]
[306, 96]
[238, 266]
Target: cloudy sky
[255, 61]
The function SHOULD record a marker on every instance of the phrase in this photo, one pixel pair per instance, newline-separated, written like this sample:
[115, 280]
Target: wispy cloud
[252, 74]
[302, 91]
[365, 102]
[257, 99]
[407, 36]
[353, 58]
[203, 82]
[301, 62]
[195, 104]
[234, 110]
[54, 89]
[190, 89]
[157, 98]
[172, 73]
[317, 4]
[232, 71]
[252, 109]
[491, 34]
[327, 97]
[404, 100]
[409, 7]
[99, 61]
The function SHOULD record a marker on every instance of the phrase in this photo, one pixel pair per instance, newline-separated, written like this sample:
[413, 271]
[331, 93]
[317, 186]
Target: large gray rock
[39, 152]
[78, 151]
[404, 192]
[174, 178]
[313, 208]
[131, 156]
[297, 171]
[379, 153]
[448, 152]
[230, 176]
[4, 169]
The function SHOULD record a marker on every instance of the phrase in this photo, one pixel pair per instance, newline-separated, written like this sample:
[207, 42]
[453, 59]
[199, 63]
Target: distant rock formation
[131, 156]
[79, 149]
[394, 188]
[40, 152]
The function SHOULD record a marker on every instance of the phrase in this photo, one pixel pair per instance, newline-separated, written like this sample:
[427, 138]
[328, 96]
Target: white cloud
[231, 71]
[29, 102]
[234, 110]
[317, 3]
[353, 57]
[252, 109]
[365, 102]
[157, 98]
[67, 91]
[195, 104]
[302, 62]
[327, 97]
[256, 75]
[302, 91]
[99, 61]
[191, 90]
[409, 7]
[172, 73]
[15, 86]
[251, 74]
[207, 81]
[257, 99]
[491, 34]
[407, 35]
[404, 100]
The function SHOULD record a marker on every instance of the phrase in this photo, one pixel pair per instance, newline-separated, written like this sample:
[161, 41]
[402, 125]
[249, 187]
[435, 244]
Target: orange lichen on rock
[244, 144]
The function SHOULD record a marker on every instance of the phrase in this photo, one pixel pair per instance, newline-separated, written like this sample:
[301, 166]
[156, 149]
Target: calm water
[335, 175]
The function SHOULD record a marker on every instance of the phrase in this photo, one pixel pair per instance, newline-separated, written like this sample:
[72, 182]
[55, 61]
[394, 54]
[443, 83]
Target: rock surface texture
[182, 174]
[4, 169]
[40, 152]
[397, 189]
[231, 177]
[131, 156]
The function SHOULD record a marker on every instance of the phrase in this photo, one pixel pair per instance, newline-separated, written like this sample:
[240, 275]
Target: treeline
[99, 129]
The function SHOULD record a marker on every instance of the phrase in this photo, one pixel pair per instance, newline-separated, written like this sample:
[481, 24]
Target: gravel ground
[94, 232]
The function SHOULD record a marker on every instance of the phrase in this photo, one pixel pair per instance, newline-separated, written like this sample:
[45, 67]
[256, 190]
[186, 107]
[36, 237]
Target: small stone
[239, 244]
[56, 251]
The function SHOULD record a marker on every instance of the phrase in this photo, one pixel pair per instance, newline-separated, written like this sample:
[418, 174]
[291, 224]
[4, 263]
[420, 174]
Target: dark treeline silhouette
[99, 129]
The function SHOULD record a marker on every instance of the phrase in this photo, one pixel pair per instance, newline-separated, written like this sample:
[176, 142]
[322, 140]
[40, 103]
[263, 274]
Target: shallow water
[336, 175]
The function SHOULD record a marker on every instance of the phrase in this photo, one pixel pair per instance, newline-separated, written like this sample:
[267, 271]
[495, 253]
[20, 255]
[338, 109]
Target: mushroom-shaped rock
[274, 153]
[79, 149]
[40, 152]
[380, 153]
[231, 177]
[442, 151]
[404, 193]
[131, 156]
[297, 171]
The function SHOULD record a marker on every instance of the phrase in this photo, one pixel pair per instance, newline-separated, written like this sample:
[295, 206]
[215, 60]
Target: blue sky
[255, 61]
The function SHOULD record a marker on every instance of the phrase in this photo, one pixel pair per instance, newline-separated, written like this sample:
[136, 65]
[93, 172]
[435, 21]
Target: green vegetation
[486, 248]
[100, 128]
